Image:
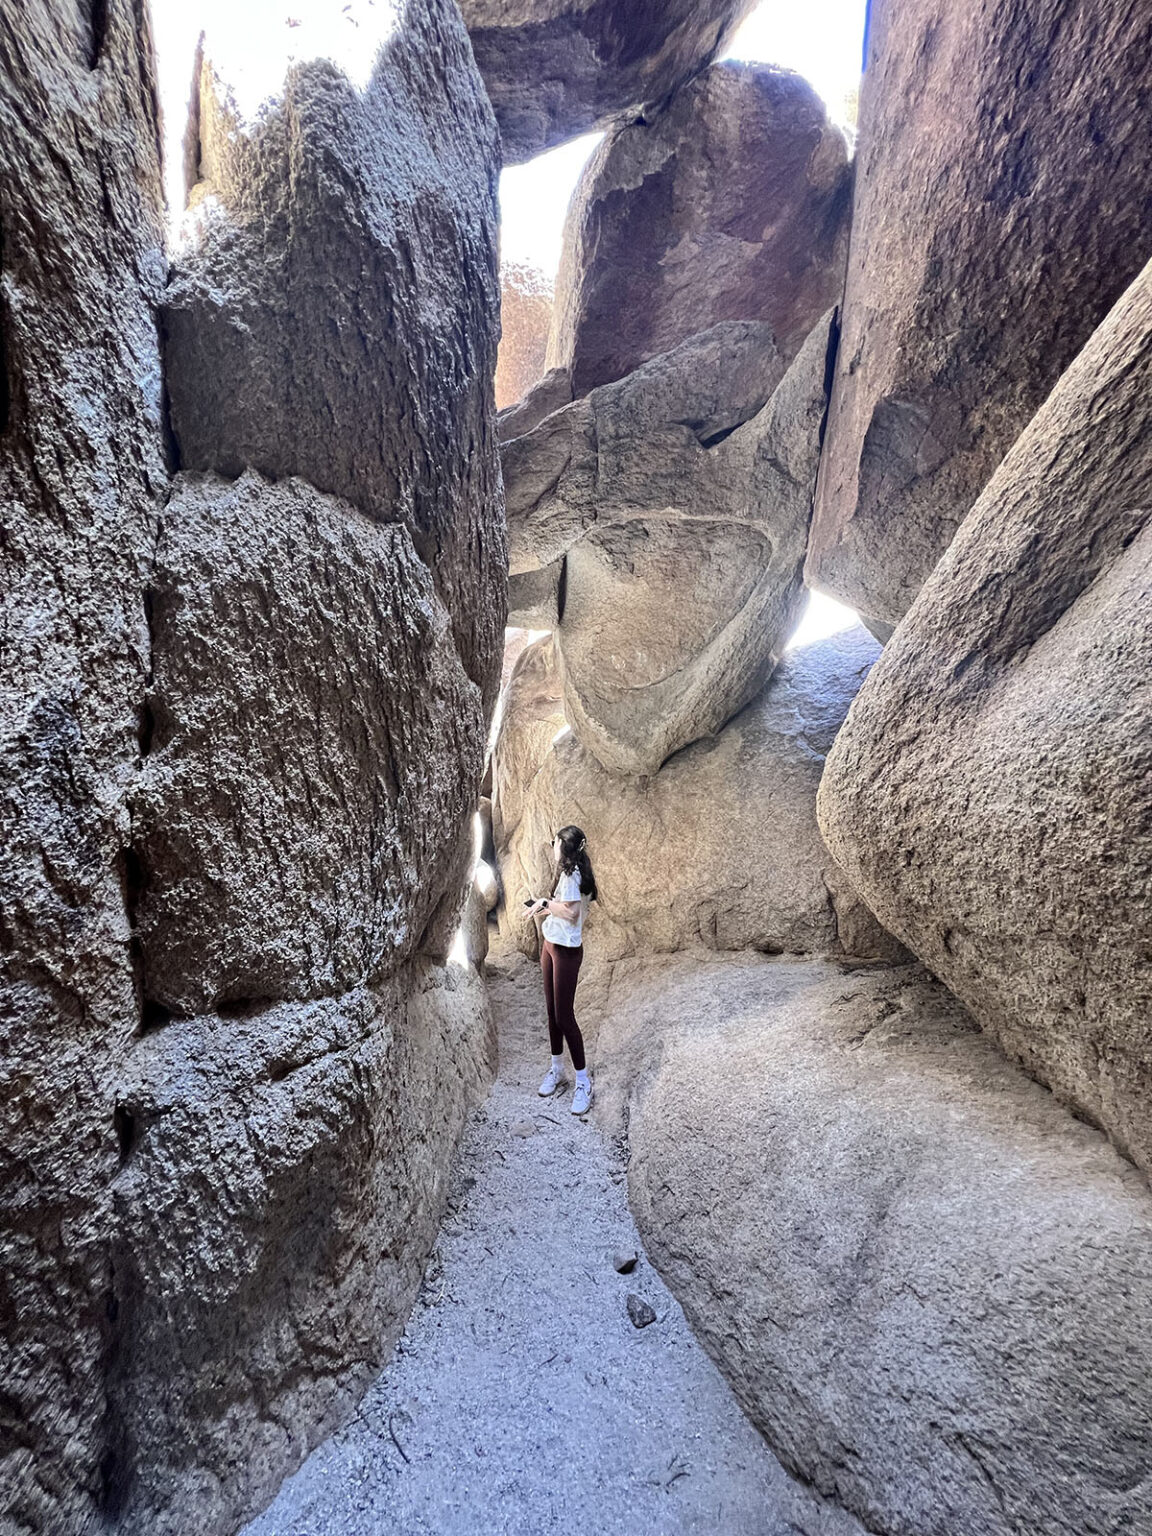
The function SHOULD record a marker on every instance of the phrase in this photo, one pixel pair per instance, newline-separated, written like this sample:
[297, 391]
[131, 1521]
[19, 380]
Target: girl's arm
[568, 910]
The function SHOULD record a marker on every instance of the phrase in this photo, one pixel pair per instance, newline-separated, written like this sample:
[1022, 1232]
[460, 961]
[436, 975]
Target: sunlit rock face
[677, 501]
[250, 654]
[991, 792]
[731, 203]
[719, 849]
[927, 1282]
[332, 310]
[1001, 207]
[558, 68]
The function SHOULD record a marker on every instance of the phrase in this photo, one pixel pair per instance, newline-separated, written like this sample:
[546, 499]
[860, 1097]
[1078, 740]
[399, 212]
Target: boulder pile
[870, 973]
[871, 966]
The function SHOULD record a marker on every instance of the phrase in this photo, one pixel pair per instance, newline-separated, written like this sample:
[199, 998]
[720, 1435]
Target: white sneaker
[582, 1097]
[553, 1081]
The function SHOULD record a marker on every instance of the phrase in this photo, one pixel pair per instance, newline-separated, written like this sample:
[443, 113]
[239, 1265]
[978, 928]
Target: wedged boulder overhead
[284, 1177]
[1002, 205]
[990, 794]
[927, 1282]
[730, 204]
[549, 394]
[678, 499]
[315, 749]
[720, 848]
[82, 476]
[555, 69]
[336, 313]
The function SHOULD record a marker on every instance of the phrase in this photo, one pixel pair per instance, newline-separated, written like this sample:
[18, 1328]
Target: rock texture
[82, 474]
[731, 204]
[679, 502]
[927, 1282]
[242, 732]
[335, 771]
[991, 792]
[547, 395]
[558, 68]
[345, 332]
[719, 849]
[284, 1175]
[1002, 206]
[525, 320]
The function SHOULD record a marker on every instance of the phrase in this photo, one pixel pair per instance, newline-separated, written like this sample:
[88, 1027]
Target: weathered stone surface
[82, 474]
[531, 718]
[1002, 206]
[558, 68]
[927, 1282]
[315, 753]
[991, 792]
[731, 204]
[345, 332]
[719, 849]
[525, 320]
[136, 1396]
[679, 502]
[284, 1176]
[534, 597]
[549, 394]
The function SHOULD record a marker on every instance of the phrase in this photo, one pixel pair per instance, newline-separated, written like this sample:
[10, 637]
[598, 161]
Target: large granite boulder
[315, 749]
[284, 1173]
[927, 1281]
[1002, 205]
[720, 848]
[730, 204]
[558, 68]
[82, 476]
[991, 792]
[674, 505]
[344, 332]
[218, 716]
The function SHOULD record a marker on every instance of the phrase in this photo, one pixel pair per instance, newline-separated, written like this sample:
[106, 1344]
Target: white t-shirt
[558, 929]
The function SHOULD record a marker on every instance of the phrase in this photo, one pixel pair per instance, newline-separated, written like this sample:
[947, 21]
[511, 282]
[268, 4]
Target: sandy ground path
[521, 1399]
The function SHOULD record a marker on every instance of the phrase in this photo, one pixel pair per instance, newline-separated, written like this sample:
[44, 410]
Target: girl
[560, 959]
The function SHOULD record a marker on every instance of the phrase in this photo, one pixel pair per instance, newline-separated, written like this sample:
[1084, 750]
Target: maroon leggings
[561, 965]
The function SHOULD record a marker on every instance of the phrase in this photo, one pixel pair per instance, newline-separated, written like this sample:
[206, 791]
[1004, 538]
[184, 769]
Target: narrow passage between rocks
[521, 1399]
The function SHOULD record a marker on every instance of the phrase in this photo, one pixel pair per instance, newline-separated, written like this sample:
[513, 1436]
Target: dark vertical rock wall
[1002, 205]
[242, 726]
[82, 479]
[331, 315]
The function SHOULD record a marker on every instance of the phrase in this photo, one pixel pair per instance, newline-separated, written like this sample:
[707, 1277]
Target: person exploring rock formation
[560, 955]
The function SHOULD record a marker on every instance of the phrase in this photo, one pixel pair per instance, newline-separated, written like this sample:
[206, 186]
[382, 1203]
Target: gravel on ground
[521, 1399]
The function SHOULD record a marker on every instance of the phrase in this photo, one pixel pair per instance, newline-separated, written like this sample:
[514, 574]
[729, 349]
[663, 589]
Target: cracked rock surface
[678, 500]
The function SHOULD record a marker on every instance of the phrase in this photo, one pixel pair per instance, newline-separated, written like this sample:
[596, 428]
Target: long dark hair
[574, 855]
